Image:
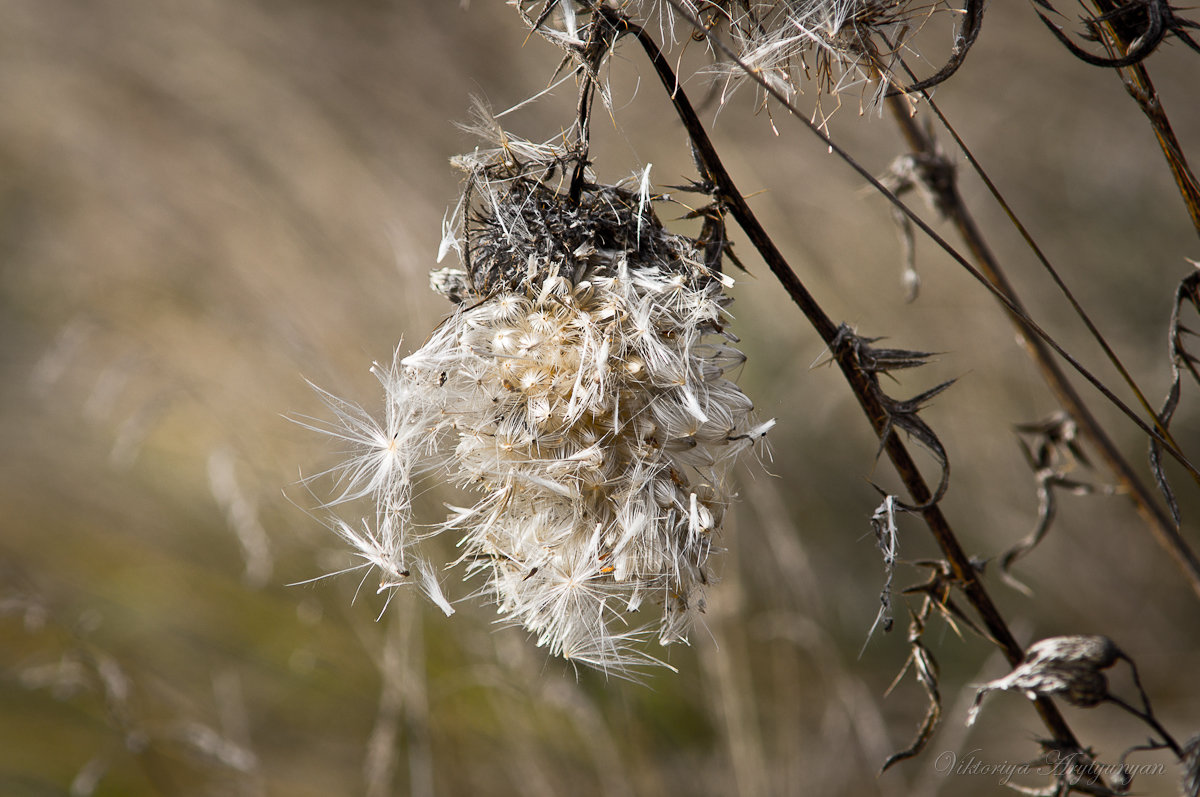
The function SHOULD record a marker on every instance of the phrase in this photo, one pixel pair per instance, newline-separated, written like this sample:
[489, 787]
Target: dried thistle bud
[1067, 666]
[578, 396]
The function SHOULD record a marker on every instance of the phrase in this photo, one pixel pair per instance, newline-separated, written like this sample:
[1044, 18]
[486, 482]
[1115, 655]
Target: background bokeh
[205, 204]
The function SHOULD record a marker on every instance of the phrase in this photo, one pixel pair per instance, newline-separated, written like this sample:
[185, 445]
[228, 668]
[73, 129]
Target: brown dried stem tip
[1131, 30]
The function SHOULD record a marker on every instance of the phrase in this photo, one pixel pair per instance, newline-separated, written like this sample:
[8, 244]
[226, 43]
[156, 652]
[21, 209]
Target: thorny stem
[1141, 89]
[951, 203]
[962, 569]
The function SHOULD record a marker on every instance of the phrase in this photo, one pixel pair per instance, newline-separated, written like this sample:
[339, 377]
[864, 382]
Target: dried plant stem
[951, 203]
[618, 21]
[1160, 427]
[1141, 89]
[1137, 83]
[726, 192]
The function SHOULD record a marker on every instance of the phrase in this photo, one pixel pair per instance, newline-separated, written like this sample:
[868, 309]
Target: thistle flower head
[579, 393]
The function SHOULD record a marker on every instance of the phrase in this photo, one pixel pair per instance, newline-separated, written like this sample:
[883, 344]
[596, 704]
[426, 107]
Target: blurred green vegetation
[204, 204]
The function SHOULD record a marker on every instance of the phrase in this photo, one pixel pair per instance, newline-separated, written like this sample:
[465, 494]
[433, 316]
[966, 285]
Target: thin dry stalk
[1136, 80]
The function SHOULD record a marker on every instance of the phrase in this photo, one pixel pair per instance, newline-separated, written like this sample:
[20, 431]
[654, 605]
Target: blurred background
[205, 204]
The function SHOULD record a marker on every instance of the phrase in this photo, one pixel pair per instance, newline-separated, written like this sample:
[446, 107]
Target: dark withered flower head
[578, 393]
[1067, 666]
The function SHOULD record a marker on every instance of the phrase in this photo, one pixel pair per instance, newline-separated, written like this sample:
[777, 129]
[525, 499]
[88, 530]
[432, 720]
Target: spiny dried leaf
[926, 669]
[932, 175]
[884, 360]
[1047, 509]
[937, 591]
[972, 24]
[876, 360]
[1156, 465]
[937, 594]
[712, 237]
[910, 280]
[952, 614]
[901, 414]
[1053, 452]
[1057, 438]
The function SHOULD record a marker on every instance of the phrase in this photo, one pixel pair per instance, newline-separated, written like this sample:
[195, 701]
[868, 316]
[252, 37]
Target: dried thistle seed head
[834, 45]
[576, 398]
[1068, 667]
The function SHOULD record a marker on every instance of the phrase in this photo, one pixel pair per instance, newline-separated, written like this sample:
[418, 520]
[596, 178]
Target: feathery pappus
[579, 394]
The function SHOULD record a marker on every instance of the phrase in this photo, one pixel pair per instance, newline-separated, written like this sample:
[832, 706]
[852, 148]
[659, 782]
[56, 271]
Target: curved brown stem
[972, 23]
